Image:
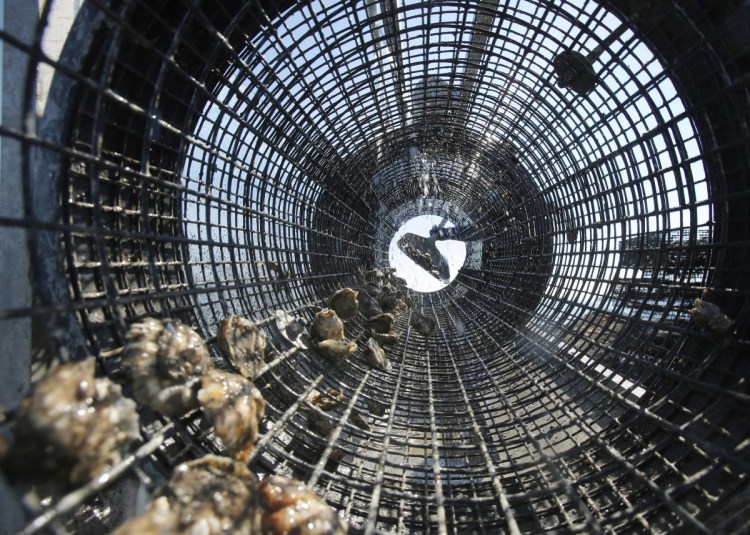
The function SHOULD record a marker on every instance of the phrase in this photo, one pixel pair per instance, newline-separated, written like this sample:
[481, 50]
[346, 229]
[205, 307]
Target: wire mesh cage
[201, 159]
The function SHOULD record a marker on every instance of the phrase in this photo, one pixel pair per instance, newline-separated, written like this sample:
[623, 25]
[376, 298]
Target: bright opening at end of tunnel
[417, 278]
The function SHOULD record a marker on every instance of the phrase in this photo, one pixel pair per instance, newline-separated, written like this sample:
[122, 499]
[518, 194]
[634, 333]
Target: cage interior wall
[567, 389]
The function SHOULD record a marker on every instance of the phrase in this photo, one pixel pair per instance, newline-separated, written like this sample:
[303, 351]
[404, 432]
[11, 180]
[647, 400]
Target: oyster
[344, 303]
[289, 506]
[368, 306]
[71, 426]
[164, 360]
[234, 406]
[382, 323]
[327, 326]
[335, 350]
[399, 306]
[333, 403]
[374, 291]
[385, 339]
[388, 302]
[374, 277]
[211, 495]
[709, 317]
[243, 343]
[424, 325]
[375, 356]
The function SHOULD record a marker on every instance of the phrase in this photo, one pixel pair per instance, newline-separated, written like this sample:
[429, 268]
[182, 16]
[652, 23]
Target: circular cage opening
[418, 276]
[196, 160]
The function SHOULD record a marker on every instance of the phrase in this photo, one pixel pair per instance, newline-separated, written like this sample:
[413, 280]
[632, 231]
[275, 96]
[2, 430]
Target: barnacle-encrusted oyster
[327, 326]
[235, 406]
[212, 495]
[382, 323]
[243, 343]
[424, 325]
[344, 303]
[335, 350]
[164, 360]
[71, 426]
[375, 356]
[290, 507]
[709, 317]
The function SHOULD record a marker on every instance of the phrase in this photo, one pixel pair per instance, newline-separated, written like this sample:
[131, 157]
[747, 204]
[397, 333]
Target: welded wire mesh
[186, 145]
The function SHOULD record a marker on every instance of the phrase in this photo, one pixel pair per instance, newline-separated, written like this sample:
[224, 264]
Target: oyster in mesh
[333, 403]
[344, 303]
[375, 356]
[71, 426]
[388, 339]
[424, 325]
[387, 302]
[335, 350]
[382, 323]
[709, 317]
[211, 495]
[243, 343]
[164, 360]
[375, 277]
[234, 406]
[327, 326]
[291, 507]
[368, 305]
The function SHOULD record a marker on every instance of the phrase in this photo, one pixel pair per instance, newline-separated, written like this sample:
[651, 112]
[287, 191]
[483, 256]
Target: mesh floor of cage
[186, 145]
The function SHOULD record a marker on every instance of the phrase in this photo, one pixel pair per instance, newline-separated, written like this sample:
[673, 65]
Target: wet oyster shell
[212, 495]
[234, 406]
[709, 317]
[291, 507]
[164, 360]
[334, 350]
[71, 427]
[423, 325]
[368, 305]
[327, 326]
[243, 343]
[382, 323]
[345, 304]
[388, 339]
[375, 356]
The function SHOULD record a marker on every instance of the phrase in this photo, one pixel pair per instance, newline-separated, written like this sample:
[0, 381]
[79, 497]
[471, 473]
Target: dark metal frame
[193, 141]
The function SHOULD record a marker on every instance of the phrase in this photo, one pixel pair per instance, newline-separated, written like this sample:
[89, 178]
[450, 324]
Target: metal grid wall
[192, 143]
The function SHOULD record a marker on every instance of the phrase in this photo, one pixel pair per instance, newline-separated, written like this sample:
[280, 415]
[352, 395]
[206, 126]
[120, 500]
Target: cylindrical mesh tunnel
[186, 145]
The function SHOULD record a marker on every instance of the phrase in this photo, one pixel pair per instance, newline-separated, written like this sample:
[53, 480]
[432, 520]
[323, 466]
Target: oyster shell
[164, 360]
[243, 343]
[382, 323]
[334, 404]
[385, 339]
[290, 507]
[709, 317]
[234, 406]
[375, 356]
[368, 306]
[344, 303]
[424, 325]
[211, 495]
[327, 326]
[335, 350]
[71, 426]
